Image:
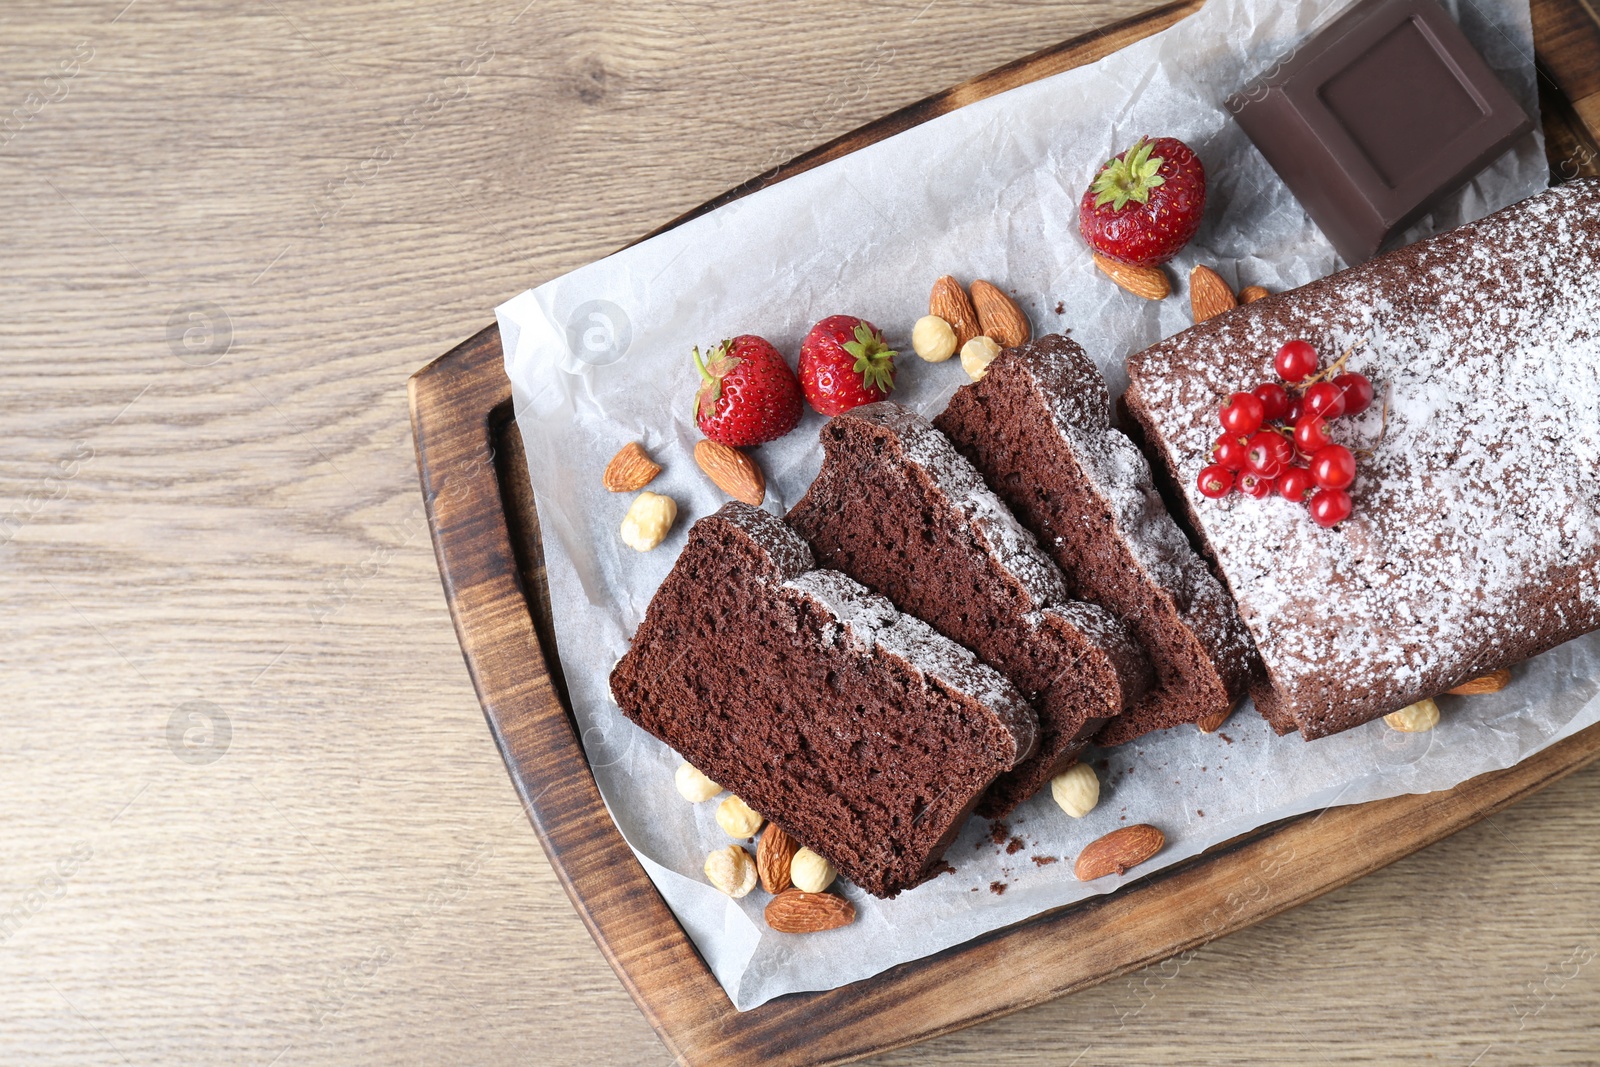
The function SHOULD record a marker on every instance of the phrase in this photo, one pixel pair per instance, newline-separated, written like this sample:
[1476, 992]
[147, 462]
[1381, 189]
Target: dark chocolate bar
[1378, 117]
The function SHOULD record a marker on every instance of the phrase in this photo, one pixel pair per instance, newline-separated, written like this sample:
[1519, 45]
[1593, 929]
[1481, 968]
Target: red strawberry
[748, 395]
[844, 363]
[1145, 204]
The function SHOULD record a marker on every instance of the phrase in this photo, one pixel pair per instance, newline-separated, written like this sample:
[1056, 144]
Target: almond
[1251, 293]
[999, 316]
[1148, 282]
[794, 912]
[950, 302]
[1209, 295]
[1489, 683]
[772, 859]
[1118, 851]
[630, 469]
[733, 472]
[1213, 722]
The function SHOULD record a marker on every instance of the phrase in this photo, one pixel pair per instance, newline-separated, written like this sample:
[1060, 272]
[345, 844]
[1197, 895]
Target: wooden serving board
[486, 536]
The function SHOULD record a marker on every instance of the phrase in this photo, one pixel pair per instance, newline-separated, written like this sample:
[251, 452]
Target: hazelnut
[1414, 718]
[977, 354]
[933, 339]
[732, 870]
[810, 873]
[1076, 789]
[694, 786]
[738, 819]
[649, 518]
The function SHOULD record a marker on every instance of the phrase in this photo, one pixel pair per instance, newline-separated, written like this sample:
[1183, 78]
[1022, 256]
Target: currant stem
[1383, 428]
[1328, 374]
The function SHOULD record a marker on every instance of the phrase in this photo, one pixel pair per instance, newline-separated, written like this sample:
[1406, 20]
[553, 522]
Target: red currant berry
[1252, 484]
[1325, 399]
[1297, 408]
[1274, 401]
[1333, 467]
[1228, 452]
[1357, 392]
[1296, 361]
[1243, 414]
[1268, 454]
[1216, 482]
[1329, 507]
[1311, 434]
[1296, 484]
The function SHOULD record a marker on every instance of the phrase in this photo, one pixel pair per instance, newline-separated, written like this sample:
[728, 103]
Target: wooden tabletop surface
[251, 812]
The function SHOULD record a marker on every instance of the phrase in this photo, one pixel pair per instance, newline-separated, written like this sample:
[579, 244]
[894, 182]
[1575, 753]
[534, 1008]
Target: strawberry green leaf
[874, 359]
[718, 365]
[1129, 178]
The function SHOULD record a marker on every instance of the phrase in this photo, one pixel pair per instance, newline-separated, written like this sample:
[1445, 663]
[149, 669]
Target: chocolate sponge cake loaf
[1475, 537]
[858, 730]
[1037, 426]
[897, 509]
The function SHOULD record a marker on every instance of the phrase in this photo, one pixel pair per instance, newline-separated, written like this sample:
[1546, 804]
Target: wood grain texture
[352, 880]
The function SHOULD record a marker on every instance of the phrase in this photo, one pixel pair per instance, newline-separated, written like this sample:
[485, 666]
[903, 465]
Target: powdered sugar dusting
[867, 621]
[789, 553]
[1476, 535]
[1014, 547]
[1101, 628]
[1072, 390]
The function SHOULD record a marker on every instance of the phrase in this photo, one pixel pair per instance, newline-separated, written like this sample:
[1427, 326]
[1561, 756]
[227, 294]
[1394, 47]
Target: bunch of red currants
[1278, 441]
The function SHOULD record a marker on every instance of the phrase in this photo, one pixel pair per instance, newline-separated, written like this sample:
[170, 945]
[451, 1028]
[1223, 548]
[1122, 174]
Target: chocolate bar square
[1377, 118]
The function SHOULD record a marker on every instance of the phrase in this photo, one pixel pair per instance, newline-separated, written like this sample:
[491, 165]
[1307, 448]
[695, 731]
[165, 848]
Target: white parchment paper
[600, 357]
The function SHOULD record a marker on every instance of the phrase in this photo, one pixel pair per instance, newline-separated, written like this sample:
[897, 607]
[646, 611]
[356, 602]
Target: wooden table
[251, 811]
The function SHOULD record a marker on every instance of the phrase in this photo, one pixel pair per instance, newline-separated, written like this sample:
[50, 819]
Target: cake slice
[856, 729]
[897, 509]
[1037, 426]
[1475, 539]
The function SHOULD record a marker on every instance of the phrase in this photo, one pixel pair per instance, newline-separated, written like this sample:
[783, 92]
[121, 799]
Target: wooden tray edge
[451, 401]
[1001, 972]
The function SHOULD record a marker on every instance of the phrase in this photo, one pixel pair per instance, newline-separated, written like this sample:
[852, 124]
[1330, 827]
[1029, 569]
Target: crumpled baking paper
[600, 357]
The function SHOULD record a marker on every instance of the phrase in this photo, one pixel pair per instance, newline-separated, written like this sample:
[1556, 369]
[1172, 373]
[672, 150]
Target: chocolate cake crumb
[1200, 813]
[1015, 845]
[1037, 426]
[999, 832]
[898, 509]
[807, 696]
[997, 888]
[1045, 861]
[1061, 307]
[1225, 737]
